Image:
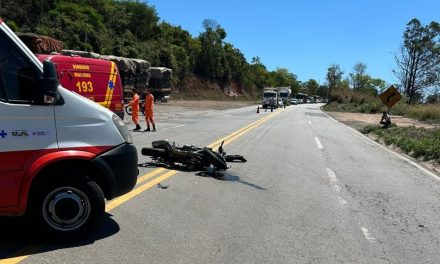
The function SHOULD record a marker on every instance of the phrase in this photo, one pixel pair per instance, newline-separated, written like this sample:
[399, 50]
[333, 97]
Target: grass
[356, 102]
[421, 143]
[427, 112]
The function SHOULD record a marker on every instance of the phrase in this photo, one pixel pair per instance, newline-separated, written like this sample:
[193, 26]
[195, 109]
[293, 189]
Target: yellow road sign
[390, 97]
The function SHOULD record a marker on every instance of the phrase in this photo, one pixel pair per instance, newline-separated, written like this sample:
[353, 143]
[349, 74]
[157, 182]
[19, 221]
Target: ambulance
[95, 79]
[61, 155]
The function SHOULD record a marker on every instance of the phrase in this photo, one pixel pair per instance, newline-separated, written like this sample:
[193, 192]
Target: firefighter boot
[148, 129]
[138, 127]
[154, 128]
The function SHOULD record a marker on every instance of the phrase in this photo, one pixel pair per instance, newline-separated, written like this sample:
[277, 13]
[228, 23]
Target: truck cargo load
[160, 82]
[41, 44]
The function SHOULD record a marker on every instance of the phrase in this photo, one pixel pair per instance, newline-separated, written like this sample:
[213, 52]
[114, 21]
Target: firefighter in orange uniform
[149, 102]
[135, 109]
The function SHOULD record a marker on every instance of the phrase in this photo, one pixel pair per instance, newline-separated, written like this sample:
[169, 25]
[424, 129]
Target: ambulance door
[27, 128]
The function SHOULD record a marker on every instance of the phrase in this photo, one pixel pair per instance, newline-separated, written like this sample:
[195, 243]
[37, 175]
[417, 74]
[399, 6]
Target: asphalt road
[312, 191]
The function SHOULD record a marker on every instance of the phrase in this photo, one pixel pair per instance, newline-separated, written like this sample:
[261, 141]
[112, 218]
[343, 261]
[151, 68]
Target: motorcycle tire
[128, 109]
[154, 152]
[215, 159]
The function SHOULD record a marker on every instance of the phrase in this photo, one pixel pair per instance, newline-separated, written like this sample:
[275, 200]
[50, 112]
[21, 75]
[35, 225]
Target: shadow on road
[19, 237]
[225, 176]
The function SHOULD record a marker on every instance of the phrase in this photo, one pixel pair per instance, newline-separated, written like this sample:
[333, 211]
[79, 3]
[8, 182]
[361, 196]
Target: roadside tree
[418, 60]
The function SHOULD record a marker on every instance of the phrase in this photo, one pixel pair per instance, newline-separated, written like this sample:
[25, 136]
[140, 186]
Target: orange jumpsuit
[149, 102]
[135, 108]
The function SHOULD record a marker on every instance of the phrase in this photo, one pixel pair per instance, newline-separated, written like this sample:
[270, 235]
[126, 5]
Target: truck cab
[61, 155]
[270, 99]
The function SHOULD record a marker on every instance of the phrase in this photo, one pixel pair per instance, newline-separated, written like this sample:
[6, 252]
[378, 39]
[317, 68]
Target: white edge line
[318, 143]
[367, 234]
[389, 150]
[341, 201]
[167, 128]
[333, 180]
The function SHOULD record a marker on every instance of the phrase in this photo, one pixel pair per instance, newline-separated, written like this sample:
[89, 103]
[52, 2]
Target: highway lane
[312, 191]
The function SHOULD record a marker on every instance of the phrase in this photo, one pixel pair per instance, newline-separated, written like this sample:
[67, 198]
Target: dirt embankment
[195, 88]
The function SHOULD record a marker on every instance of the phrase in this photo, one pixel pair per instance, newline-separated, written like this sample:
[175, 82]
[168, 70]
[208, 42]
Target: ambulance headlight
[122, 128]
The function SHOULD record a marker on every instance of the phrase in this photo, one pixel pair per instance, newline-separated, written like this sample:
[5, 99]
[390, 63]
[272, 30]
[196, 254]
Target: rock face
[197, 88]
[41, 44]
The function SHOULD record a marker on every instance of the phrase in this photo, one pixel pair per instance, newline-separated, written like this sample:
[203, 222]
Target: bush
[417, 142]
[426, 112]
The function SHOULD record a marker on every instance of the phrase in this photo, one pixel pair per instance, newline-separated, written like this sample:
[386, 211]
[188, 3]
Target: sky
[307, 36]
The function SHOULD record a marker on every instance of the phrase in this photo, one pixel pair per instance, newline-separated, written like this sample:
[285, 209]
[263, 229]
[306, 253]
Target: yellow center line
[149, 175]
[228, 139]
[135, 192]
[124, 198]
[246, 128]
[22, 251]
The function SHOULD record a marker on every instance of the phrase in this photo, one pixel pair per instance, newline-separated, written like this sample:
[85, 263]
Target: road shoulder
[358, 121]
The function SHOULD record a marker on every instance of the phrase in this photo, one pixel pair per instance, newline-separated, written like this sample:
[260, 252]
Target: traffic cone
[258, 109]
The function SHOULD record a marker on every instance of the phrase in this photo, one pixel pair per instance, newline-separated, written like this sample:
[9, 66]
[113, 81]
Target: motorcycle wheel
[128, 109]
[154, 152]
[215, 159]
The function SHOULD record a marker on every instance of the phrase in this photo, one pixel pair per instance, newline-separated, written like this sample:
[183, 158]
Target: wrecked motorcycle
[189, 157]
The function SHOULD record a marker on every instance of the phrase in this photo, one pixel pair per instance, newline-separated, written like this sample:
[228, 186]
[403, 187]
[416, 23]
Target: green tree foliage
[362, 82]
[358, 76]
[132, 28]
[211, 56]
[419, 58]
[433, 98]
[323, 91]
[334, 77]
[311, 87]
[79, 26]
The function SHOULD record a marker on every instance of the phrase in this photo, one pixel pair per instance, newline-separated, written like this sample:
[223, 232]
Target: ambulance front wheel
[68, 209]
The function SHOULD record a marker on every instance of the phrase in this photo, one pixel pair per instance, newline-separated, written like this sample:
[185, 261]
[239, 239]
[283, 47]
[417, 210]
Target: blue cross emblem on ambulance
[111, 85]
[3, 134]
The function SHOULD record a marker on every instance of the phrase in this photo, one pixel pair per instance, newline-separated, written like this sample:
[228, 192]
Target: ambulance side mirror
[50, 82]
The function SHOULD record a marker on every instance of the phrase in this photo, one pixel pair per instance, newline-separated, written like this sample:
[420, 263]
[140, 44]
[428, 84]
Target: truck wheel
[68, 209]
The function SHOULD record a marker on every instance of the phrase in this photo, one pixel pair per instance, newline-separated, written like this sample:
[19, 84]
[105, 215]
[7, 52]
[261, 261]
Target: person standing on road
[149, 103]
[135, 109]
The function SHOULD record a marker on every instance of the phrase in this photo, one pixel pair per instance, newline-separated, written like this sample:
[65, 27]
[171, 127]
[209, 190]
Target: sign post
[390, 97]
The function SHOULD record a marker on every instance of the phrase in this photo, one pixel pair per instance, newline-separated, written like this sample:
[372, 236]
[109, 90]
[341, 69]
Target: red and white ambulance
[61, 155]
[98, 80]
